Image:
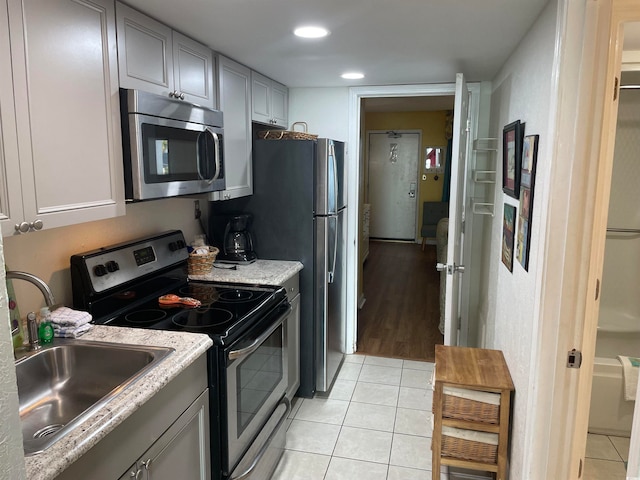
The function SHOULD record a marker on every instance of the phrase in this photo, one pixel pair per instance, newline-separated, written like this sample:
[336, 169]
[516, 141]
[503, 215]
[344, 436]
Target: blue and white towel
[70, 332]
[69, 323]
[68, 317]
[630, 370]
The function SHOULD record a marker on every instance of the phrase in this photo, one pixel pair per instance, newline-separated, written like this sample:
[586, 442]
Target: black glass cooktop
[225, 309]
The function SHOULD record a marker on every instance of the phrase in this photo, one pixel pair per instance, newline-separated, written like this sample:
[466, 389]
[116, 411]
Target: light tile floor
[606, 457]
[374, 424]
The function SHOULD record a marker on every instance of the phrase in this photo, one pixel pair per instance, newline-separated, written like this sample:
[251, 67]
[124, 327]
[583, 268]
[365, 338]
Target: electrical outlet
[197, 212]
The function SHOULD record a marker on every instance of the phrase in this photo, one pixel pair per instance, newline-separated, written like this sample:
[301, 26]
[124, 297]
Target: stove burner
[207, 294]
[145, 316]
[236, 295]
[211, 317]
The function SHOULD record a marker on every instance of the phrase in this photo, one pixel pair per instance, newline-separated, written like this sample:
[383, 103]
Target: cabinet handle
[181, 96]
[147, 464]
[22, 227]
[37, 224]
[135, 475]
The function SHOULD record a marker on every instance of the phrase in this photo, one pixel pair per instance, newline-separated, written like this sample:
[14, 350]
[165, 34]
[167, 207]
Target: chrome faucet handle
[32, 329]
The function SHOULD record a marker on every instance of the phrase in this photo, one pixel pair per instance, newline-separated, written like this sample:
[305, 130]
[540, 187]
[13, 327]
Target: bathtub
[618, 334]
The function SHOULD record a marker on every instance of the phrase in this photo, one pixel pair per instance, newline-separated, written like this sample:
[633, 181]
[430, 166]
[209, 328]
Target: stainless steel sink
[62, 384]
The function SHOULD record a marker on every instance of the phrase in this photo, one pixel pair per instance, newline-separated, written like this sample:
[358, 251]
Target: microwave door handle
[216, 156]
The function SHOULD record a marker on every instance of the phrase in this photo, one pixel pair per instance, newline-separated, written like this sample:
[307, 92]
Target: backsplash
[46, 253]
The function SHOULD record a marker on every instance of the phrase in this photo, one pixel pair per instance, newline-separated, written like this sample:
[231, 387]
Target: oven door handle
[243, 352]
[267, 443]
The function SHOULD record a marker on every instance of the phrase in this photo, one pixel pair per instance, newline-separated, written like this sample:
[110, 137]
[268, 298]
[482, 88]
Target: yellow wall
[433, 126]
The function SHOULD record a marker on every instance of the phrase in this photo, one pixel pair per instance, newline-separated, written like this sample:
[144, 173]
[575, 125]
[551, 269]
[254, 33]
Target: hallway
[401, 314]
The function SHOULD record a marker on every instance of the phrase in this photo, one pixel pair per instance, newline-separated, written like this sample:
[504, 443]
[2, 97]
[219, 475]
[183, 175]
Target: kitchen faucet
[32, 325]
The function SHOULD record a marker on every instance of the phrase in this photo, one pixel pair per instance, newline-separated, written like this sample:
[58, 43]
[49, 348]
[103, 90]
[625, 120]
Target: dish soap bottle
[45, 330]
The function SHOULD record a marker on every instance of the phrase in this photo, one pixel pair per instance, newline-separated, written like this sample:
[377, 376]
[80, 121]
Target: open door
[454, 267]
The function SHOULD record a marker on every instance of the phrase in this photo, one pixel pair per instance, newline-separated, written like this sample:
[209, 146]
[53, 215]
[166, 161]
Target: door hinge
[574, 359]
[615, 89]
[468, 129]
[597, 288]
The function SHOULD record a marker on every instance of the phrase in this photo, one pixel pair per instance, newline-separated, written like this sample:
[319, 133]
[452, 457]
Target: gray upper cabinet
[62, 153]
[234, 81]
[154, 58]
[270, 101]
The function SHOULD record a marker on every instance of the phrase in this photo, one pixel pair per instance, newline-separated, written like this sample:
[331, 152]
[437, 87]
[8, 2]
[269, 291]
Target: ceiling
[391, 41]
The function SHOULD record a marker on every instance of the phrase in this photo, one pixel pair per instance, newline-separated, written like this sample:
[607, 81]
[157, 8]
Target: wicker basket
[469, 450]
[202, 263]
[292, 134]
[472, 410]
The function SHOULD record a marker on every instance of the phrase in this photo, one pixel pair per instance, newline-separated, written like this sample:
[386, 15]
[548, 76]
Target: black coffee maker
[237, 244]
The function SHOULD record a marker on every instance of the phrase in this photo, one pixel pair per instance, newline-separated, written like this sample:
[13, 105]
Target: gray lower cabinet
[292, 285]
[182, 451]
[166, 438]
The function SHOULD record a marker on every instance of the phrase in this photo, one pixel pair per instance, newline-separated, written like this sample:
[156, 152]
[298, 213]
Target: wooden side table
[479, 370]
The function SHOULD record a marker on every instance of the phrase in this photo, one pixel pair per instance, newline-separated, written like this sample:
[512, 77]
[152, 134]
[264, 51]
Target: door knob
[441, 267]
[450, 269]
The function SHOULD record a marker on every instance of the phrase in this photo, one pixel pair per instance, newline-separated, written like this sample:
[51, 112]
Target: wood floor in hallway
[401, 313]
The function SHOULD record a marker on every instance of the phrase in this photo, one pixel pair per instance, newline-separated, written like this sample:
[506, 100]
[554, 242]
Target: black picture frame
[527, 183]
[511, 158]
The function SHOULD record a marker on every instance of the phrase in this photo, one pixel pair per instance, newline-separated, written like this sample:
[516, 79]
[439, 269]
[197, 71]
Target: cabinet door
[183, 450]
[280, 104]
[193, 71]
[10, 188]
[67, 109]
[260, 98]
[145, 52]
[234, 81]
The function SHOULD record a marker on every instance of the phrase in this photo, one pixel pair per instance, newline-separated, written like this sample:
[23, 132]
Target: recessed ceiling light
[352, 75]
[311, 32]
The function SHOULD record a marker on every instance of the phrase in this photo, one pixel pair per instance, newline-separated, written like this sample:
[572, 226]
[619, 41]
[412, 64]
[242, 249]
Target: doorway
[618, 333]
[399, 316]
[394, 95]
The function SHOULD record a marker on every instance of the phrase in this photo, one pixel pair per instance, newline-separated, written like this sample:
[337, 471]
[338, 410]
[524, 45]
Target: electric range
[247, 368]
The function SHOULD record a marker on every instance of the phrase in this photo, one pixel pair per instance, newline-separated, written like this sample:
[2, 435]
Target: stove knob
[99, 270]
[112, 266]
[181, 244]
[173, 246]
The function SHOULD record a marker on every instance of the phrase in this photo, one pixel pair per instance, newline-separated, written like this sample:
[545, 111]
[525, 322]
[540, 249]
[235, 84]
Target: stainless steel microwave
[170, 147]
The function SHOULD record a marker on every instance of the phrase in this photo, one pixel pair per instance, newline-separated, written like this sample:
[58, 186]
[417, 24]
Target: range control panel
[110, 267]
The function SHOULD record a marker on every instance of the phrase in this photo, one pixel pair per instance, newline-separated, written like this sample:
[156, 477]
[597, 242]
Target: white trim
[356, 94]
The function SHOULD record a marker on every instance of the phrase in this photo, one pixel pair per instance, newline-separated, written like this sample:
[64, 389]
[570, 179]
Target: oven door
[257, 375]
[172, 157]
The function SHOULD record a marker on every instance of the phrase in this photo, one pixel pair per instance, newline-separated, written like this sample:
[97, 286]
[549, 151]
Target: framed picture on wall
[528, 176]
[508, 229]
[511, 158]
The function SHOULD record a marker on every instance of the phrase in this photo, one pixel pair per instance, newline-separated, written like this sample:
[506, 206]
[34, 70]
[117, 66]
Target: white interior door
[393, 184]
[454, 265]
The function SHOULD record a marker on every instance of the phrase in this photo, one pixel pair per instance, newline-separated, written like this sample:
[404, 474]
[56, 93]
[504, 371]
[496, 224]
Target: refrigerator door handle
[334, 251]
[332, 153]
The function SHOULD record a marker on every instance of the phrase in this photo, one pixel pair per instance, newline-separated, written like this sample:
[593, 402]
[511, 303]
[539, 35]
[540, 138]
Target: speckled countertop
[188, 347]
[262, 272]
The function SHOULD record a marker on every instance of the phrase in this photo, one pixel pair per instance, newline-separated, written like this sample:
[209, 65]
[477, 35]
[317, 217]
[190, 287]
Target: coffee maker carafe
[237, 246]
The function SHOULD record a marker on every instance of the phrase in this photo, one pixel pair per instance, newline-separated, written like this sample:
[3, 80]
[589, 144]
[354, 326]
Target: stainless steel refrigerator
[299, 213]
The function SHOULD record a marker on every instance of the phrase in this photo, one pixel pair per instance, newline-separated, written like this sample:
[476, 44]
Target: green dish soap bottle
[45, 329]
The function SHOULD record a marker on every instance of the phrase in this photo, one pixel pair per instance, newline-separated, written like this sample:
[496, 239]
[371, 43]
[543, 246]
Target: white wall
[521, 91]
[326, 110]
[11, 453]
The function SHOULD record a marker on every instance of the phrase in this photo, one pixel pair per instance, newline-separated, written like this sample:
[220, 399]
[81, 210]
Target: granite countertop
[188, 347]
[262, 272]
